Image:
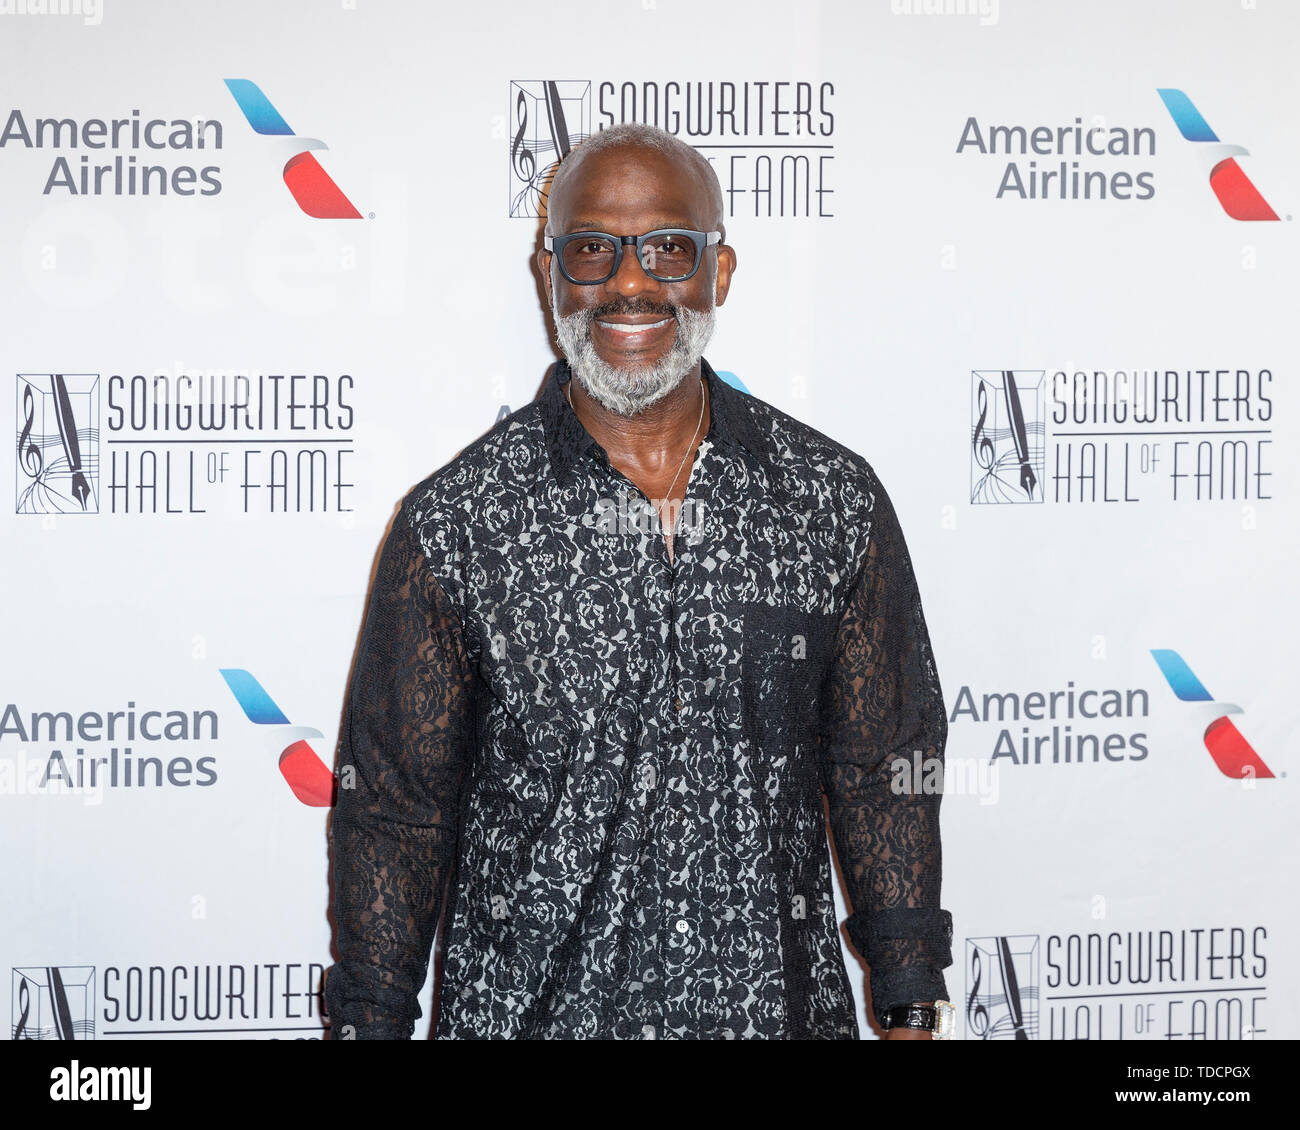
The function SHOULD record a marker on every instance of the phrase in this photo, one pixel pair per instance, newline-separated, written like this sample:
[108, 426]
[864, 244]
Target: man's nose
[631, 278]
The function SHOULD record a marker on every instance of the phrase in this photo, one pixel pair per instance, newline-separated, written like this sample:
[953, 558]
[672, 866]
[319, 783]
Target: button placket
[679, 899]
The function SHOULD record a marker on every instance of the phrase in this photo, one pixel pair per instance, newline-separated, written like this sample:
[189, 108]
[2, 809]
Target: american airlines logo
[300, 765]
[1231, 752]
[1238, 195]
[310, 185]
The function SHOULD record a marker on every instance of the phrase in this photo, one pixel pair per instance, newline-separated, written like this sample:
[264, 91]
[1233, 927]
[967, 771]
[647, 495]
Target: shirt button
[678, 704]
[682, 926]
[680, 813]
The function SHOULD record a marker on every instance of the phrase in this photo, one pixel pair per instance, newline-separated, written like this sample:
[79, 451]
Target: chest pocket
[786, 654]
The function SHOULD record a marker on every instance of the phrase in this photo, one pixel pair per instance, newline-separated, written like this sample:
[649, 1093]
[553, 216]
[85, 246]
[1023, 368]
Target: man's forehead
[629, 181]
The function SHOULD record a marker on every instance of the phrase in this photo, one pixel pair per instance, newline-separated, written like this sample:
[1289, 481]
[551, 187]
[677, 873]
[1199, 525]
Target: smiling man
[603, 736]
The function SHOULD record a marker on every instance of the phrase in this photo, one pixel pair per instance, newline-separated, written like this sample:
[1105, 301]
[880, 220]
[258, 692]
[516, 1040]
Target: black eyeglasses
[591, 257]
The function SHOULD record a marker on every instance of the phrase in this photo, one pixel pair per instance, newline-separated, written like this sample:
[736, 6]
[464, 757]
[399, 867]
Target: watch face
[945, 1026]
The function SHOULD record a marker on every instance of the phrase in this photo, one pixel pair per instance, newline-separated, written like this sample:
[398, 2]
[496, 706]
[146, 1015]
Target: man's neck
[652, 443]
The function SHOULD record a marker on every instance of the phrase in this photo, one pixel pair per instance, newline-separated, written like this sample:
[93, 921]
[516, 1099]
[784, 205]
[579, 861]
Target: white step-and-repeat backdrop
[267, 266]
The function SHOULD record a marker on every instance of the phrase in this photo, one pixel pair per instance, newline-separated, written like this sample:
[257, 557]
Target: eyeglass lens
[591, 258]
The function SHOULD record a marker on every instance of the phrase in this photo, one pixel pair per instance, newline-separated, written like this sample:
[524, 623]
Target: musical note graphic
[54, 1003]
[977, 1016]
[521, 157]
[58, 444]
[985, 453]
[549, 118]
[1007, 437]
[29, 454]
[1007, 1008]
[24, 1009]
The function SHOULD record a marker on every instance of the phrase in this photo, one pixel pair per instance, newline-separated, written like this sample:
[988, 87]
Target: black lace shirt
[611, 767]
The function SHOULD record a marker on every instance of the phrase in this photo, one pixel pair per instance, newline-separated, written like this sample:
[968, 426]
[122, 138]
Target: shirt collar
[731, 420]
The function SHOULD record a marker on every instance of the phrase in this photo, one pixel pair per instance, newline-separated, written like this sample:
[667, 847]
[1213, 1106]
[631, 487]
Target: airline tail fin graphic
[1228, 746]
[310, 185]
[1235, 191]
[311, 782]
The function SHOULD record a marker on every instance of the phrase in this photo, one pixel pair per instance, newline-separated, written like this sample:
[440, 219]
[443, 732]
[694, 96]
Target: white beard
[632, 390]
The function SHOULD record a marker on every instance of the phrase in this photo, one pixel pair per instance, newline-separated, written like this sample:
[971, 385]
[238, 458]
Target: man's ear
[544, 269]
[726, 266]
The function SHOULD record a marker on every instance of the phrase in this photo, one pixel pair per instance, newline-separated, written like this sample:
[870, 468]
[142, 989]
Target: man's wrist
[935, 1019]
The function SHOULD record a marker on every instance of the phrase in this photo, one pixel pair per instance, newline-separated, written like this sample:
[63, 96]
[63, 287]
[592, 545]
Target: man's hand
[908, 1034]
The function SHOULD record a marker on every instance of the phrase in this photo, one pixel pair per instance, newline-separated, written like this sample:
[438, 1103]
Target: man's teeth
[619, 327]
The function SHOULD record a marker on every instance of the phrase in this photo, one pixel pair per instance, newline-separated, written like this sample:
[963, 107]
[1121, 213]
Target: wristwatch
[939, 1018]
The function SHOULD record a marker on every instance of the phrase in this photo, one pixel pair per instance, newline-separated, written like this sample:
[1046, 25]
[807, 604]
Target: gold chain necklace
[668, 497]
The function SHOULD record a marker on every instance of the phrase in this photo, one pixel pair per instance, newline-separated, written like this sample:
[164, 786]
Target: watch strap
[922, 1016]
[939, 1018]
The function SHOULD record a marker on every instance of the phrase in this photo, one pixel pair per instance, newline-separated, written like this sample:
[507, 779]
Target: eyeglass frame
[702, 240]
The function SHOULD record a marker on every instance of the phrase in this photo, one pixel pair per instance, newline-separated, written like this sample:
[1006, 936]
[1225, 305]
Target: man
[605, 730]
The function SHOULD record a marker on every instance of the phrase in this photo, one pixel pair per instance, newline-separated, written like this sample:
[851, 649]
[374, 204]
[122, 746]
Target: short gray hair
[640, 136]
[636, 133]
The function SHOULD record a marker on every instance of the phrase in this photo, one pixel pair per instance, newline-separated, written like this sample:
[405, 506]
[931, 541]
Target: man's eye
[593, 247]
[668, 247]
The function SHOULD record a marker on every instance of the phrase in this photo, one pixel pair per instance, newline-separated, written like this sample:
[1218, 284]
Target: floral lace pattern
[615, 769]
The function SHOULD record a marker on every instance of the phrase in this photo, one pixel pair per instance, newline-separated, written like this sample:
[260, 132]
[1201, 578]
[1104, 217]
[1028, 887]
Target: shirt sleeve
[882, 703]
[408, 727]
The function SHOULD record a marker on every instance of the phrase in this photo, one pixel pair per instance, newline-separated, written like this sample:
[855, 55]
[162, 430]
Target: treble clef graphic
[977, 1016]
[29, 455]
[981, 445]
[521, 157]
[24, 1003]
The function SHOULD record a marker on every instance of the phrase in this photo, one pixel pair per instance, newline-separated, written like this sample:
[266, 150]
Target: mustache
[631, 309]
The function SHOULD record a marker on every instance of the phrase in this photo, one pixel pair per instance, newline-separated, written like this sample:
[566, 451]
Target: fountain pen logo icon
[1002, 987]
[1232, 753]
[1235, 191]
[52, 1002]
[311, 186]
[58, 443]
[547, 119]
[311, 782]
[1006, 436]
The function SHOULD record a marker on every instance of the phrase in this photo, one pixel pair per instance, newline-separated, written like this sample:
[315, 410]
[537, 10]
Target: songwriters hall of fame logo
[58, 444]
[1007, 432]
[1002, 987]
[547, 119]
[53, 1003]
